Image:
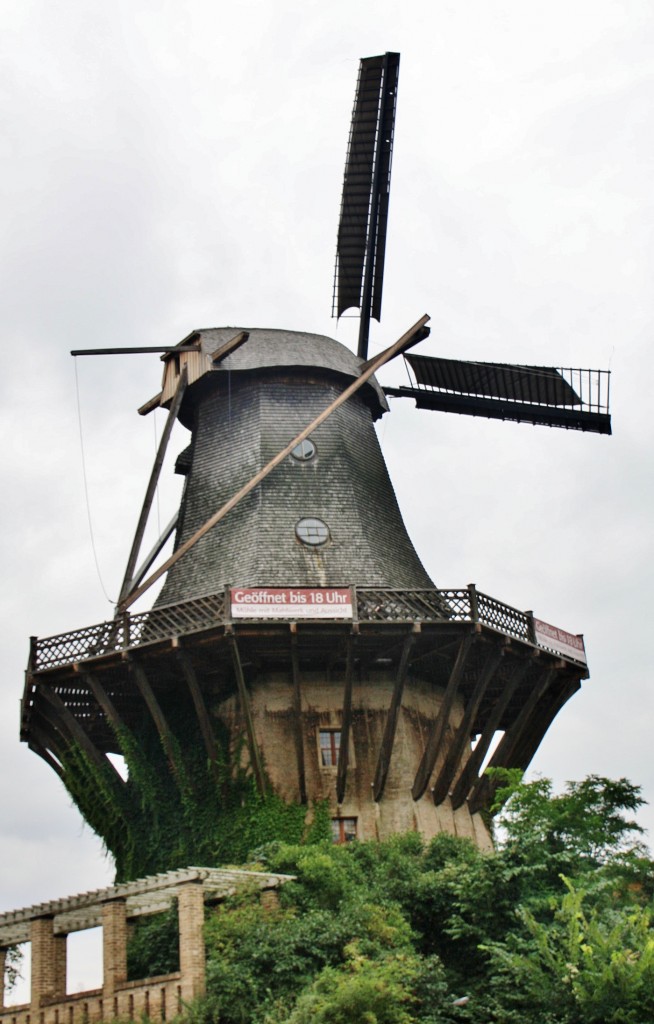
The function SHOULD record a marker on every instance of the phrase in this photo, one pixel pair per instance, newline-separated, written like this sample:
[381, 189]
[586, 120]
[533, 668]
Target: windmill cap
[269, 348]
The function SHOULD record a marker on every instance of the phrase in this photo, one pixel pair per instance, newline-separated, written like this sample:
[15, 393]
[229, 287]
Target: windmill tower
[299, 672]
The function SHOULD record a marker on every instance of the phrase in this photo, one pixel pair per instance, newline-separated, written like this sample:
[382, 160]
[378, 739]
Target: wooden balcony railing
[371, 605]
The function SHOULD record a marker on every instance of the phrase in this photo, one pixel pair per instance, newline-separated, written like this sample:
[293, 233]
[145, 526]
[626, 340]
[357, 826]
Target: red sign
[570, 645]
[291, 603]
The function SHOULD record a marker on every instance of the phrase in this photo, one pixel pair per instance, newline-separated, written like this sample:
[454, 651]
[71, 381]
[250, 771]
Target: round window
[312, 531]
[304, 451]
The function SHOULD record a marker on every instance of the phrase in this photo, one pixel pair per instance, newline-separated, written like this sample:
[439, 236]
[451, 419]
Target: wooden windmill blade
[363, 221]
[572, 398]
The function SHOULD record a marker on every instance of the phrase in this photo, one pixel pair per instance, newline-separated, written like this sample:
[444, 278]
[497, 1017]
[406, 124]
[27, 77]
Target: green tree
[552, 928]
[581, 966]
[587, 823]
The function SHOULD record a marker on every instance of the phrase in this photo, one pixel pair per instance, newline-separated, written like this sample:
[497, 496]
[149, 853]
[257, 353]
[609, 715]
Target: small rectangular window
[344, 830]
[330, 744]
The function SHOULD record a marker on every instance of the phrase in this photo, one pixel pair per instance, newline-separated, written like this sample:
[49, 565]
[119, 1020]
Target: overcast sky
[167, 167]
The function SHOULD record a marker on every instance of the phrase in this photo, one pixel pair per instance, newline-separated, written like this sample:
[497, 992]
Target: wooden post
[434, 740]
[474, 606]
[152, 486]
[229, 347]
[153, 706]
[191, 678]
[297, 716]
[503, 756]
[66, 723]
[412, 337]
[43, 752]
[344, 748]
[462, 735]
[471, 768]
[154, 551]
[540, 721]
[244, 700]
[50, 743]
[390, 727]
[102, 697]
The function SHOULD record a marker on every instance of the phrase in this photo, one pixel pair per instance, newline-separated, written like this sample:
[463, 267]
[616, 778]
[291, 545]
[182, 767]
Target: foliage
[584, 824]
[13, 966]
[395, 932]
[153, 946]
[176, 808]
[552, 928]
[581, 967]
[370, 991]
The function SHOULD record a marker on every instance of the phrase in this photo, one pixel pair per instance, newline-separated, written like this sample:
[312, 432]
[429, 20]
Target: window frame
[334, 748]
[340, 835]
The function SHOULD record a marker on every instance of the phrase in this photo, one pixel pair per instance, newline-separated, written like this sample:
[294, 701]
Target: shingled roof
[245, 411]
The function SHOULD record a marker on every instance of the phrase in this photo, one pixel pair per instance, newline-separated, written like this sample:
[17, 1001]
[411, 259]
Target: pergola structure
[46, 926]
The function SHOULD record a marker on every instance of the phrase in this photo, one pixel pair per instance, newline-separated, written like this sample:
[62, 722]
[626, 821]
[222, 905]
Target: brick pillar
[190, 908]
[44, 960]
[3, 967]
[114, 945]
[60, 964]
[270, 899]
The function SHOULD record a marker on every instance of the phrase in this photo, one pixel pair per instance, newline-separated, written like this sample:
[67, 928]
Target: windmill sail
[572, 398]
[364, 204]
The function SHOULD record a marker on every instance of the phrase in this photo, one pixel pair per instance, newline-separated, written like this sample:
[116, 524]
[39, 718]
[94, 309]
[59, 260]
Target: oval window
[312, 531]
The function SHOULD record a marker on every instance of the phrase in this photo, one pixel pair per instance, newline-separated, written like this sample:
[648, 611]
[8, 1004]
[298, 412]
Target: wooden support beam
[151, 404]
[67, 724]
[470, 770]
[230, 346]
[504, 755]
[540, 721]
[435, 738]
[244, 699]
[188, 671]
[152, 485]
[298, 731]
[147, 693]
[39, 744]
[104, 700]
[46, 756]
[222, 353]
[131, 350]
[412, 337]
[154, 551]
[462, 735]
[346, 724]
[47, 737]
[390, 727]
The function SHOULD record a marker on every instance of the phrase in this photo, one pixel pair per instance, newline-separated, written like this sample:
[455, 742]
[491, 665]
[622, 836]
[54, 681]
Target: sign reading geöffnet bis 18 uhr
[291, 603]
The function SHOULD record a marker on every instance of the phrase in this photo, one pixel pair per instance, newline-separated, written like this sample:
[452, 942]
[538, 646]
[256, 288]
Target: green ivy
[153, 946]
[177, 808]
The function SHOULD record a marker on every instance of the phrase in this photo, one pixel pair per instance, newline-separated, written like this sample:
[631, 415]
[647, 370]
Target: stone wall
[271, 701]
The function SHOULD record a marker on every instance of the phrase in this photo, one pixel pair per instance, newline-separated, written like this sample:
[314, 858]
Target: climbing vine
[176, 808]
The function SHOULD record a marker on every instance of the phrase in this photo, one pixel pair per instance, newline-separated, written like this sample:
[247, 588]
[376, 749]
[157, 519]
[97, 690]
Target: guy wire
[86, 488]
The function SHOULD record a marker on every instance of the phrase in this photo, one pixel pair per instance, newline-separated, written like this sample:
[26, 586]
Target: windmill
[299, 659]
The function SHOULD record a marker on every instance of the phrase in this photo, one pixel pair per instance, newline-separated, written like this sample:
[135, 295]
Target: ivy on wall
[180, 810]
